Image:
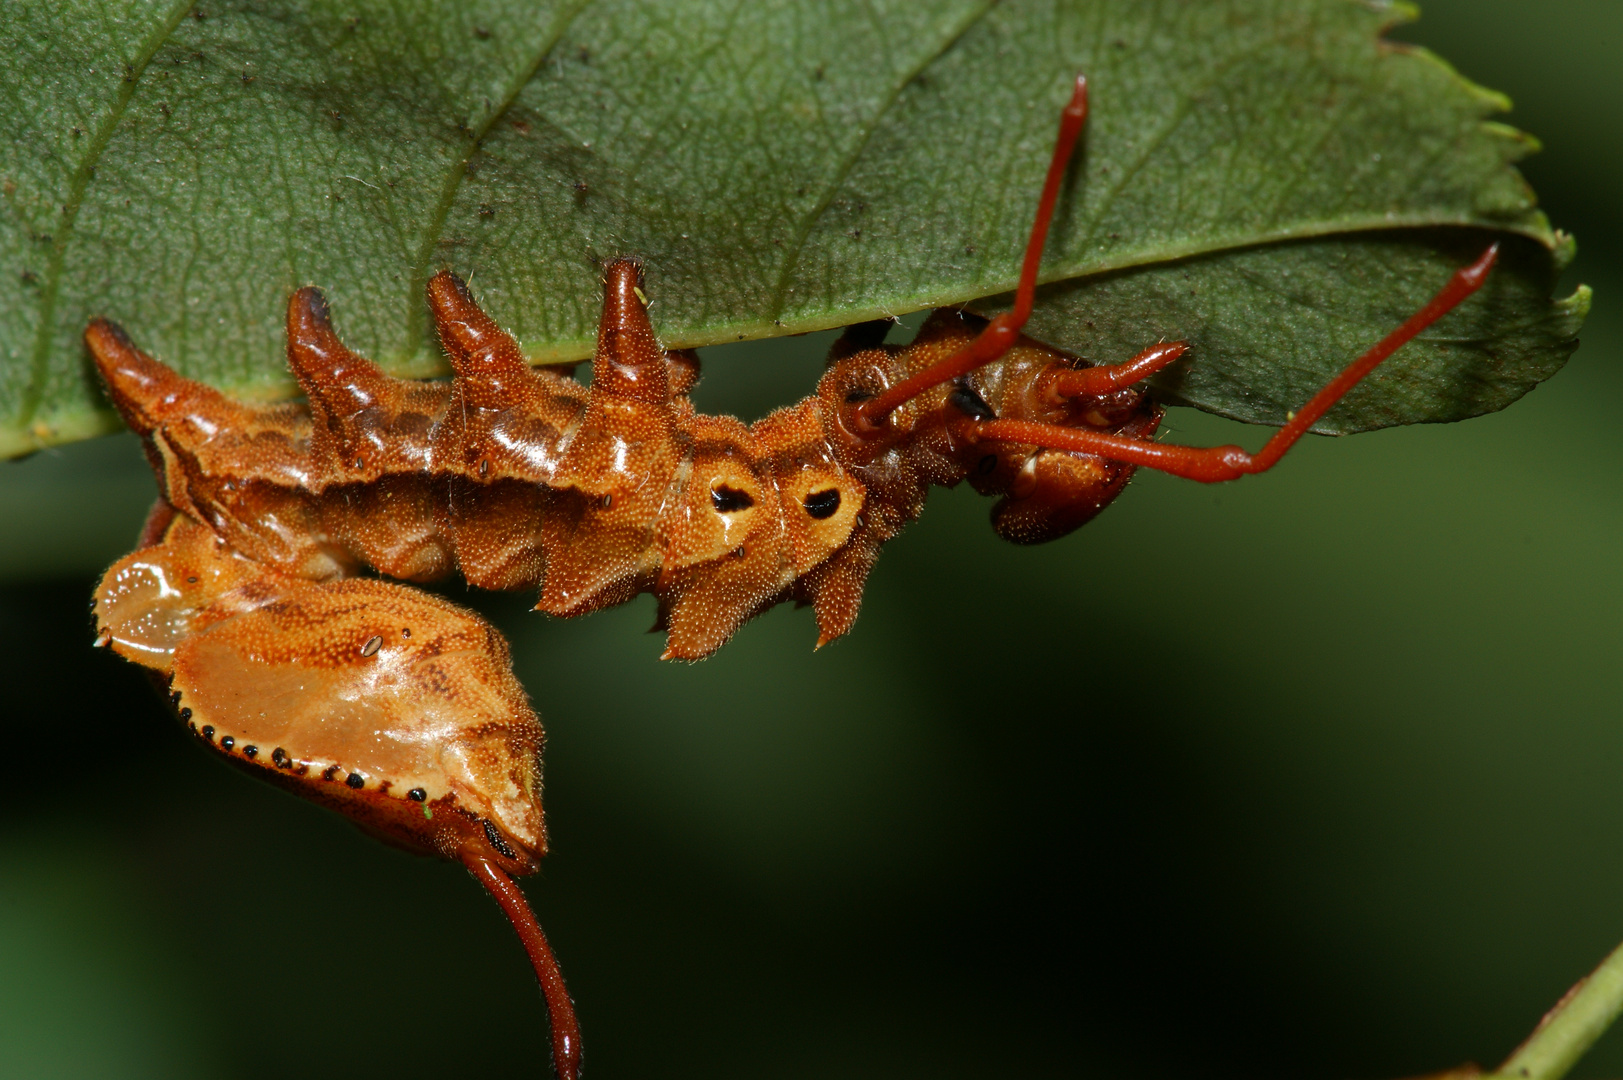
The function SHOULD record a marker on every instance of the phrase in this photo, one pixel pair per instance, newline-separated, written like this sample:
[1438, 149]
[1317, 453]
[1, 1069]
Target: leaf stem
[1567, 1031]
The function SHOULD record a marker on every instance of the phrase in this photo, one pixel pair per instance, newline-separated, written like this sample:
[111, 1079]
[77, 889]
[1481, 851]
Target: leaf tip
[1395, 13]
[1576, 306]
[1564, 249]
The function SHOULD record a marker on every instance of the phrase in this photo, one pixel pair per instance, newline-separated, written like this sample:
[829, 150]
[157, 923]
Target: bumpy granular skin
[388, 704]
[521, 477]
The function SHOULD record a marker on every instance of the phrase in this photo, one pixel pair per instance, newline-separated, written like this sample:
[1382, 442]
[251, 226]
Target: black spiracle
[823, 504]
[728, 500]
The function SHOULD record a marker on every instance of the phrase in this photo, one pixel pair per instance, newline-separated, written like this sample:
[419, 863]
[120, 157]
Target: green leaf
[1286, 317]
[1269, 180]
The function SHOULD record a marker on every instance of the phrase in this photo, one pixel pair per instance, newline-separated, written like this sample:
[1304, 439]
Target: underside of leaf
[1267, 179]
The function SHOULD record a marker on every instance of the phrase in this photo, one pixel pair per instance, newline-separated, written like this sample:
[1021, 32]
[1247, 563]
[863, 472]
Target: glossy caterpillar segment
[399, 709]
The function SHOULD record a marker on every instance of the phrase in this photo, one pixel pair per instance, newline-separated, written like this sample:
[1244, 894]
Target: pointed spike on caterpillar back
[369, 440]
[602, 541]
[490, 369]
[629, 362]
[145, 392]
[335, 379]
[504, 420]
[197, 439]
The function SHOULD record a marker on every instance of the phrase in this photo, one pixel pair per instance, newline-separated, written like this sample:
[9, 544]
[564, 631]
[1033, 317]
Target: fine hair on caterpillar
[399, 709]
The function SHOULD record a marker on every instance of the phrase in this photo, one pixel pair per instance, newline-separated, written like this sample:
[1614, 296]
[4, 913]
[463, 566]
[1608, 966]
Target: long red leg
[1211, 464]
[1108, 378]
[1001, 333]
[566, 1048]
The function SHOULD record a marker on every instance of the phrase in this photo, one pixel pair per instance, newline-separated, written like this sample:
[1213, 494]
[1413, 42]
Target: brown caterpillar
[399, 709]
[519, 477]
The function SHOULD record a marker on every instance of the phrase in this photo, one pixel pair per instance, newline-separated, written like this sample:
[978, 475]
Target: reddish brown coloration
[1215, 464]
[1001, 332]
[522, 477]
[348, 678]
[389, 705]
[400, 710]
[566, 1048]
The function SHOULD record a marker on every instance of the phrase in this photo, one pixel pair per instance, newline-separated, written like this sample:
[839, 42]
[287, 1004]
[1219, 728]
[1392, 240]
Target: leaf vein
[417, 280]
[39, 362]
[1174, 119]
[797, 246]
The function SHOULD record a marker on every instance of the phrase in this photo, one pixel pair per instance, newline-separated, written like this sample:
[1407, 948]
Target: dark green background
[1316, 775]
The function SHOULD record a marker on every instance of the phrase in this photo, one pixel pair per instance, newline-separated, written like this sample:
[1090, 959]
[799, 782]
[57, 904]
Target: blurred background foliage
[1316, 775]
